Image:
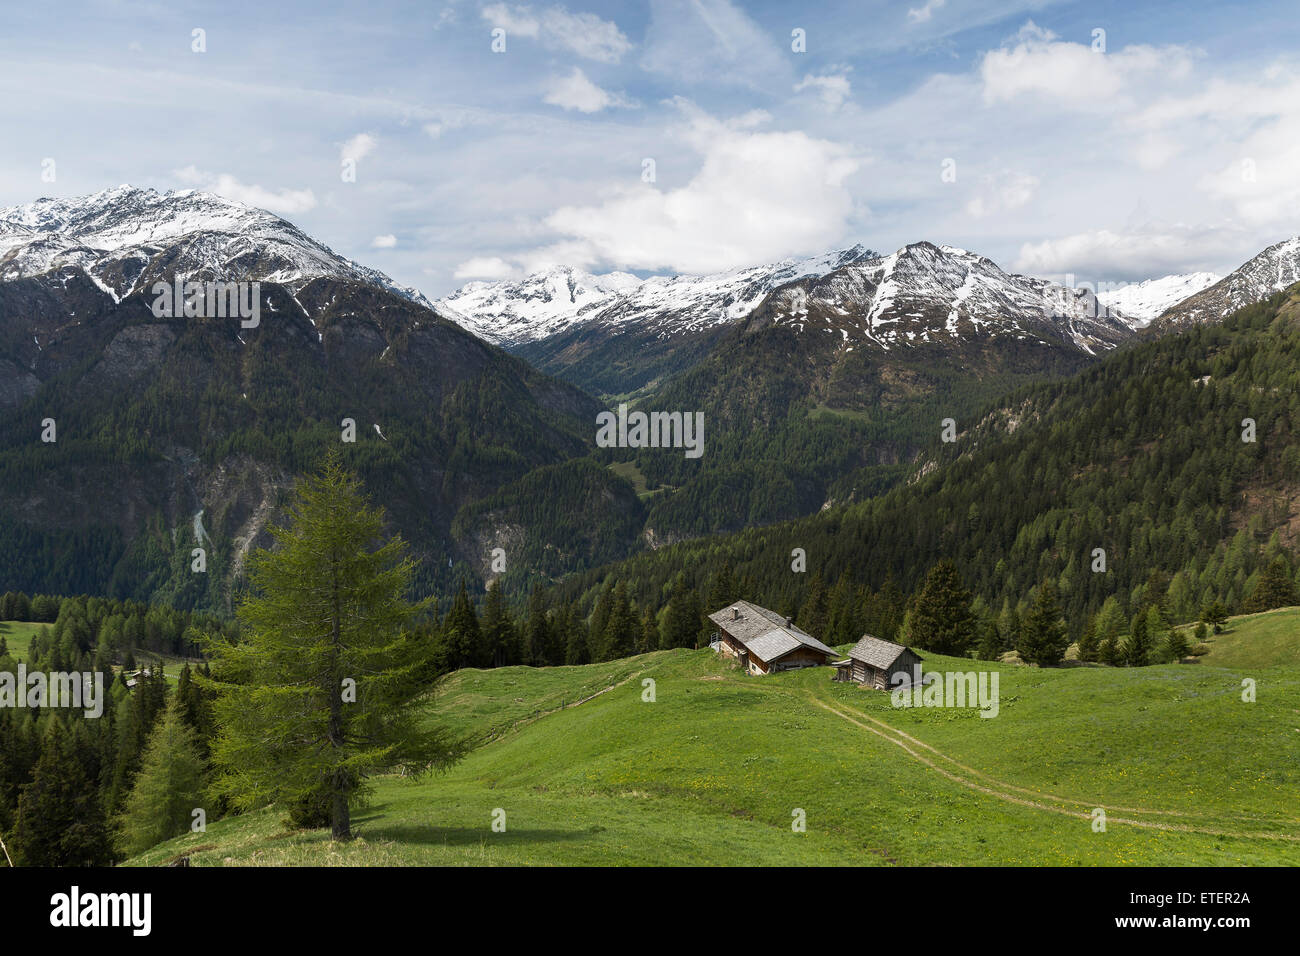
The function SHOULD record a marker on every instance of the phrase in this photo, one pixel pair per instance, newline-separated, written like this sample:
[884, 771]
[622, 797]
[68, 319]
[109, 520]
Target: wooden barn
[765, 642]
[875, 662]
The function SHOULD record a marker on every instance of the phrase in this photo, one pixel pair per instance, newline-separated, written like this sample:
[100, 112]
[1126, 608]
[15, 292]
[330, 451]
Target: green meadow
[18, 636]
[720, 767]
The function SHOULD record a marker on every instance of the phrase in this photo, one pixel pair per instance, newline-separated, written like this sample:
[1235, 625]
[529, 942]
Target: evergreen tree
[1158, 630]
[599, 621]
[536, 631]
[498, 630]
[988, 647]
[1177, 644]
[60, 819]
[1009, 625]
[620, 632]
[649, 636]
[1089, 642]
[577, 649]
[1043, 635]
[1137, 650]
[814, 612]
[194, 709]
[1215, 615]
[322, 692]
[941, 619]
[683, 621]
[722, 589]
[1274, 589]
[168, 788]
[461, 639]
[1110, 629]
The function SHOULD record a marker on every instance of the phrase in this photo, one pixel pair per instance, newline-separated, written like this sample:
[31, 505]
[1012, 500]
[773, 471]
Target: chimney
[735, 614]
[788, 621]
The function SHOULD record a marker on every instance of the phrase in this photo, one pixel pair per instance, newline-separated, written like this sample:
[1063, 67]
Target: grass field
[715, 768]
[18, 636]
[628, 471]
[1256, 640]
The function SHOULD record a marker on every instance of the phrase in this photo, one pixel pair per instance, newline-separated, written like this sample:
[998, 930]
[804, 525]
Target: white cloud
[577, 92]
[485, 267]
[1073, 74]
[584, 34]
[387, 241]
[1248, 132]
[713, 42]
[757, 196]
[1132, 255]
[357, 148]
[923, 13]
[1154, 151]
[1002, 192]
[286, 201]
[832, 89]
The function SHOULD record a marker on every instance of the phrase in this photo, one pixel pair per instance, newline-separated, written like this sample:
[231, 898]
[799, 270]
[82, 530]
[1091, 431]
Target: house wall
[864, 673]
[801, 657]
[905, 664]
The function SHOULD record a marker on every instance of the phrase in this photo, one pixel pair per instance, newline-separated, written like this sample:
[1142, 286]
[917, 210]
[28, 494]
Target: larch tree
[322, 691]
[168, 788]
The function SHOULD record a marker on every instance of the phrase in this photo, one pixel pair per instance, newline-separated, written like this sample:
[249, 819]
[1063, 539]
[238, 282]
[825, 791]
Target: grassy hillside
[1256, 640]
[713, 769]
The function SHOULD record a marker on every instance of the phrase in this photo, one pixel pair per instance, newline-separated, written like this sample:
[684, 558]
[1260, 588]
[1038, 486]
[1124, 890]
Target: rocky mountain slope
[1273, 270]
[173, 433]
[124, 238]
[617, 333]
[925, 293]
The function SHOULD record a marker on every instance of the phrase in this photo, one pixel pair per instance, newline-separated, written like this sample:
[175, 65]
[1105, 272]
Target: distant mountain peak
[1144, 301]
[120, 237]
[1272, 270]
[513, 312]
[925, 293]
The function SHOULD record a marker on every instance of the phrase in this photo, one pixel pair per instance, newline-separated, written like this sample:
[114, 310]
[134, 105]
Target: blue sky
[1008, 128]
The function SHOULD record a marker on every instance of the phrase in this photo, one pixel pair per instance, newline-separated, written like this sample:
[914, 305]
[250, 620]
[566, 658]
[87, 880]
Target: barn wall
[802, 657]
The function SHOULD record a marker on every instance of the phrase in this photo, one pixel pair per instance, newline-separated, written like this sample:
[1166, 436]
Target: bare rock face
[134, 351]
[16, 384]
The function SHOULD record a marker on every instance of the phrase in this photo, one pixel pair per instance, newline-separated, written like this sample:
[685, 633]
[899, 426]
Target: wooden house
[765, 642]
[875, 662]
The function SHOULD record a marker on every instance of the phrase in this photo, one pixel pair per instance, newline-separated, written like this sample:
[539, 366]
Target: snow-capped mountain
[925, 293]
[1272, 270]
[545, 304]
[124, 238]
[1143, 301]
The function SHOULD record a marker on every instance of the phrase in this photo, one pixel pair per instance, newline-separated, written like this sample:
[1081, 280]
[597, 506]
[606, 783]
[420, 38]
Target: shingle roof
[765, 633]
[877, 653]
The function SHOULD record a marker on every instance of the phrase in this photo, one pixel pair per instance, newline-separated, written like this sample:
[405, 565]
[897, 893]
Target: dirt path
[974, 780]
